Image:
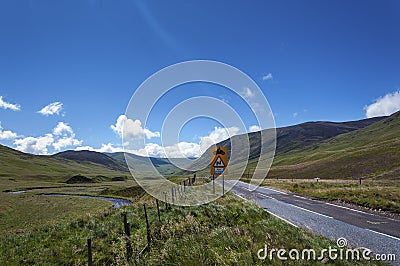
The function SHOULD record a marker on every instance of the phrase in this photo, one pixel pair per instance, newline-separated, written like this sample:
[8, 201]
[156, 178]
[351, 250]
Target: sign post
[219, 163]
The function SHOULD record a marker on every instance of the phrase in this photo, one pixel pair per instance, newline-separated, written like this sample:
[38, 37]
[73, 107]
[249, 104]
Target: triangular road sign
[218, 162]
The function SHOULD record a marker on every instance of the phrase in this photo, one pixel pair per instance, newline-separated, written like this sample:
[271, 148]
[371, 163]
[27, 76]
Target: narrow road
[360, 229]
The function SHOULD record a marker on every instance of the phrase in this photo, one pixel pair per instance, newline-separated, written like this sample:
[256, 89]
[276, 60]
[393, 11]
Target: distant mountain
[364, 148]
[289, 139]
[164, 166]
[93, 158]
[306, 134]
[16, 165]
[373, 151]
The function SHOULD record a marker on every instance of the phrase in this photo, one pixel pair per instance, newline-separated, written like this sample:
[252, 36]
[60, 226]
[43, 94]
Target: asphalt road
[360, 229]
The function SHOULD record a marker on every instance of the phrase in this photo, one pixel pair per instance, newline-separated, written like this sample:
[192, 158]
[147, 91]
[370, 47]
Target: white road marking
[280, 192]
[251, 187]
[241, 197]
[265, 196]
[273, 214]
[297, 196]
[312, 211]
[283, 219]
[348, 208]
[383, 234]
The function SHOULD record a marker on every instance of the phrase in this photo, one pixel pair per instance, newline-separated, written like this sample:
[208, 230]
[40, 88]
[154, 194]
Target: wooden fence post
[172, 195]
[89, 245]
[148, 228]
[165, 200]
[127, 229]
[158, 211]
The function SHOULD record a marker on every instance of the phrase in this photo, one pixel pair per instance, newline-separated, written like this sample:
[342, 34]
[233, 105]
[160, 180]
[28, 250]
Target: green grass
[27, 212]
[225, 232]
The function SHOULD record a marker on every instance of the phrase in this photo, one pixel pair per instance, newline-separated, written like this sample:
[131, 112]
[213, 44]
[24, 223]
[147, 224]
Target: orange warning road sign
[219, 159]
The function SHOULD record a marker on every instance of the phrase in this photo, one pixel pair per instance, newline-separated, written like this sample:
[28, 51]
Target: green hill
[289, 140]
[16, 165]
[370, 152]
[92, 157]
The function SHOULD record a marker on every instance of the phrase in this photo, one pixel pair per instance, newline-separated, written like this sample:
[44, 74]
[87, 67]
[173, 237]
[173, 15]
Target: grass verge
[228, 231]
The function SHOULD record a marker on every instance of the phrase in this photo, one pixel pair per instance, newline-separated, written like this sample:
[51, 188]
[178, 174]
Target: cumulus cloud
[254, 128]
[217, 135]
[51, 109]
[295, 114]
[109, 147]
[62, 129]
[132, 129]
[11, 106]
[386, 105]
[179, 150]
[65, 136]
[66, 142]
[188, 149]
[6, 134]
[35, 145]
[62, 136]
[267, 76]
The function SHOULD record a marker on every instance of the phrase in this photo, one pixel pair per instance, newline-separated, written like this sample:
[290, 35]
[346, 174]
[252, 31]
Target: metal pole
[223, 184]
[213, 184]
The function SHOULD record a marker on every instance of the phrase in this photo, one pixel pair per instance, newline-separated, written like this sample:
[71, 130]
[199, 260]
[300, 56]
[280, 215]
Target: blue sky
[313, 60]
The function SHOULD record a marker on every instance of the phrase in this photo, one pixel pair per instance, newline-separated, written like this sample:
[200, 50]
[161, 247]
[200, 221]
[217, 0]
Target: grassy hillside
[370, 152]
[94, 158]
[144, 164]
[288, 140]
[15, 165]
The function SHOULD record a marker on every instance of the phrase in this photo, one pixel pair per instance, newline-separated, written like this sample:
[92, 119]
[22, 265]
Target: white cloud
[188, 149]
[6, 134]
[66, 142]
[247, 93]
[63, 136]
[179, 150]
[11, 106]
[109, 147]
[51, 109]
[217, 135]
[35, 145]
[254, 128]
[386, 105]
[132, 129]
[62, 129]
[267, 76]
[295, 114]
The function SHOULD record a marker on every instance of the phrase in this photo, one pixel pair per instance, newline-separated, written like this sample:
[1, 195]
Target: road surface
[360, 229]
